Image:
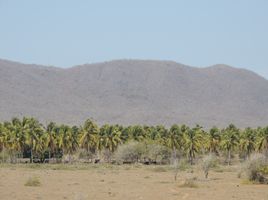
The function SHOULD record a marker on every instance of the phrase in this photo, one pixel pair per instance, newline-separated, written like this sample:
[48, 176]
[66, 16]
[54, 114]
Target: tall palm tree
[16, 136]
[111, 137]
[51, 138]
[89, 136]
[230, 139]
[262, 143]
[193, 141]
[3, 140]
[214, 139]
[174, 139]
[34, 131]
[2, 137]
[67, 141]
[247, 141]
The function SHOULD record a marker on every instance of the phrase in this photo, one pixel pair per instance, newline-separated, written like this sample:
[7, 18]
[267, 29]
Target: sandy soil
[125, 182]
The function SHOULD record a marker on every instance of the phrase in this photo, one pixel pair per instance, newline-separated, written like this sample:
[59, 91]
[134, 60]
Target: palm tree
[262, 144]
[247, 141]
[34, 131]
[174, 139]
[125, 133]
[51, 138]
[111, 137]
[214, 139]
[193, 141]
[230, 139]
[89, 136]
[15, 136]
[67, 140]
[3, 140]
[2, 137]
[138, 133]
[160, 133]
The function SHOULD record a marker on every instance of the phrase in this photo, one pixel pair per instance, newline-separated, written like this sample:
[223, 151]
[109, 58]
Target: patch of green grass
[33, 182]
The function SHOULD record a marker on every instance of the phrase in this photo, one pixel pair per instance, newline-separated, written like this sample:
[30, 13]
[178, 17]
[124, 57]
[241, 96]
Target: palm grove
[28, 138]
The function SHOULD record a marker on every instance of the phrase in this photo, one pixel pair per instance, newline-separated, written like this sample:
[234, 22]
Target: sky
[199, 33]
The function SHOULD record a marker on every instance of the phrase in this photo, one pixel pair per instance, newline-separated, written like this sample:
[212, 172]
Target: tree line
[28, 138]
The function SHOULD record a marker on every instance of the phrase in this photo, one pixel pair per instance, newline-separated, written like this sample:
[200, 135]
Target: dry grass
[189, 183]
[33, 182]
[102, 182]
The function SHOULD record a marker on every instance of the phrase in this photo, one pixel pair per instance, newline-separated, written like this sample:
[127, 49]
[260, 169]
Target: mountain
[134, 92]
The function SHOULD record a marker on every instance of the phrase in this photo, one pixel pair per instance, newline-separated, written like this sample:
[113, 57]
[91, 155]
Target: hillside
[134, 91]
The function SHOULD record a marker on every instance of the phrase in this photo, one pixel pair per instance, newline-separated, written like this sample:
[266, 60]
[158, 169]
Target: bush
[83, 154]
[208, 162]
[183, 165]
[33, 182]
[189, 183]
[256, 168]
[4, 156]
[158, 153]
[130, 152]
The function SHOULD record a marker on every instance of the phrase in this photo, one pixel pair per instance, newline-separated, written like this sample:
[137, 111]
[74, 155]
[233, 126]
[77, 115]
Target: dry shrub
[158, 153]
[189, 183]
[130, 152]
[256, 169]
[159, 169]
[33, 182]
[208, 162]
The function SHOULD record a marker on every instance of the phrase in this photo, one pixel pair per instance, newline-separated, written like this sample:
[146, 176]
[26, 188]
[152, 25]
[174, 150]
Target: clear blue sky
[194, 32]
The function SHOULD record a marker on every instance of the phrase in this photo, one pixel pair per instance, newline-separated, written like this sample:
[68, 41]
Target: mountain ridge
[134, 92]
[214, 66]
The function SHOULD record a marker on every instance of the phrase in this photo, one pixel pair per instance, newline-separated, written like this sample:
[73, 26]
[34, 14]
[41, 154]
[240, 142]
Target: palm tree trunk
[4, 153]
[31, 159]
[49, 155]
[191, 158]
[229, 156]
[174, 154]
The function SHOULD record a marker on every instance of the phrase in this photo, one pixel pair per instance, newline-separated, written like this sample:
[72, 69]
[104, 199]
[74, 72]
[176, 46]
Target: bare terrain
[124, 182]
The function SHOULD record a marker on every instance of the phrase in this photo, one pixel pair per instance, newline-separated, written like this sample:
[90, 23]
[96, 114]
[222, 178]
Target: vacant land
[81, 182]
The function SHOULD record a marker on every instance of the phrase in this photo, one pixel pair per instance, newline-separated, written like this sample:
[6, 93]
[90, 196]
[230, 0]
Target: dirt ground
[124, 182]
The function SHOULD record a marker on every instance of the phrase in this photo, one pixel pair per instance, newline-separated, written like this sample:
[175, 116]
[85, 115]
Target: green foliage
[262, 144]
[230, 140]
[27, 137]
[193, 142]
